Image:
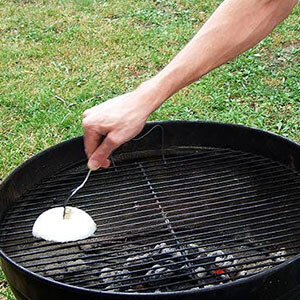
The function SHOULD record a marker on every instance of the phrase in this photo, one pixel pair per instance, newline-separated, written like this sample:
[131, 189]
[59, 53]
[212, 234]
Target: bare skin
[234, 27]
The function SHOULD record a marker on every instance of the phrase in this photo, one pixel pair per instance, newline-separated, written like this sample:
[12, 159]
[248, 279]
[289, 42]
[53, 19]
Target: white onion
[51, 226]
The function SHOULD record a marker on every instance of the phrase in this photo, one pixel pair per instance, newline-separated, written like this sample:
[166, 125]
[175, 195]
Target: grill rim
[8, 186]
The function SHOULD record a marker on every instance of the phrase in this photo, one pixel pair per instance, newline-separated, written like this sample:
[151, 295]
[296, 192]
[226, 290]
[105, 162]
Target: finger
[92, 139]
[100, 155]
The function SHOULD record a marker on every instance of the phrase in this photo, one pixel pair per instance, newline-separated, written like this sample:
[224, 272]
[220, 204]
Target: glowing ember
[219, 271]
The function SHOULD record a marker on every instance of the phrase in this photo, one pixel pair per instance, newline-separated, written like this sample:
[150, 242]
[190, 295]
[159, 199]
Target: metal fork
[74, 191]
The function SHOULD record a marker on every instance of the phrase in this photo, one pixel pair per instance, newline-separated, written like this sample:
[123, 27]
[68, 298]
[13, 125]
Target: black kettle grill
[191, 210]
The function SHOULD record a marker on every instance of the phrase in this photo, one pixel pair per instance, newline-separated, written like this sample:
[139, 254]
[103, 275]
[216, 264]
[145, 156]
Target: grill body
[279, 282]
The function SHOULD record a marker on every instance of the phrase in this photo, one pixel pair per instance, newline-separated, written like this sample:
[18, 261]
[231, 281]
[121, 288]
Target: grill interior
[201, 217]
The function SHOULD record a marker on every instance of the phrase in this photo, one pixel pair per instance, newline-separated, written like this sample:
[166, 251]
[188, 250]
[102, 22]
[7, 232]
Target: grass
[58, 58]
[5, 292]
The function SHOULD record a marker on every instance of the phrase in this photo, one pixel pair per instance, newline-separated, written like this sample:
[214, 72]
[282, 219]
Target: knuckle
[88, 125]
[113, 141]
[85, 123]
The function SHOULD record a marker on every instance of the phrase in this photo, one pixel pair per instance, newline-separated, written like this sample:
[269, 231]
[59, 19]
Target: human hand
[112, 123]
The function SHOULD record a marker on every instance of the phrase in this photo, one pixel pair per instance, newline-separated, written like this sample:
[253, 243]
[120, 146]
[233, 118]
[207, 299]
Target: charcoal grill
[193, 210]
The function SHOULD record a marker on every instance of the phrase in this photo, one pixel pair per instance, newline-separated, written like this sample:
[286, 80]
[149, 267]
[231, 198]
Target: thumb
[100, 155]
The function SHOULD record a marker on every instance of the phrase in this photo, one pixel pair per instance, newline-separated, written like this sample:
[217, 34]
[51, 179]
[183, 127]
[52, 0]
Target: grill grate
[189, 221]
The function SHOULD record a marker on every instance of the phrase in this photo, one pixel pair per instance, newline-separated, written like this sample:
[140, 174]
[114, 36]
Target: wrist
[155, 92]
[168, 81]
[151, 94]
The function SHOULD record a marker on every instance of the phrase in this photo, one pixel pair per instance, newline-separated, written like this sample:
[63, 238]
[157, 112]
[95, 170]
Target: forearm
[235, 26]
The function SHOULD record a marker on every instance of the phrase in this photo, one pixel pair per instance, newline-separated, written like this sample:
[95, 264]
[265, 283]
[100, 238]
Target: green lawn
[58, 58]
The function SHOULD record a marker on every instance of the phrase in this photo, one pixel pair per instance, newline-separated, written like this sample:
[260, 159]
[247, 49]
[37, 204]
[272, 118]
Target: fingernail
[93, 164]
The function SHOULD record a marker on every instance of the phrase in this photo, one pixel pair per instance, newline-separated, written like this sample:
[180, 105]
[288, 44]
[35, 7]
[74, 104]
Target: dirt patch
[286, 57]
[291, 47]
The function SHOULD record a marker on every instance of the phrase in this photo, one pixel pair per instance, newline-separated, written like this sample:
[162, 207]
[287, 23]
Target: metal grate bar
[167, 221]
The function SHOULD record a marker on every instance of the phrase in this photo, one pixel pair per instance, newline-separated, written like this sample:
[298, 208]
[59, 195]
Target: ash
[166, 268]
